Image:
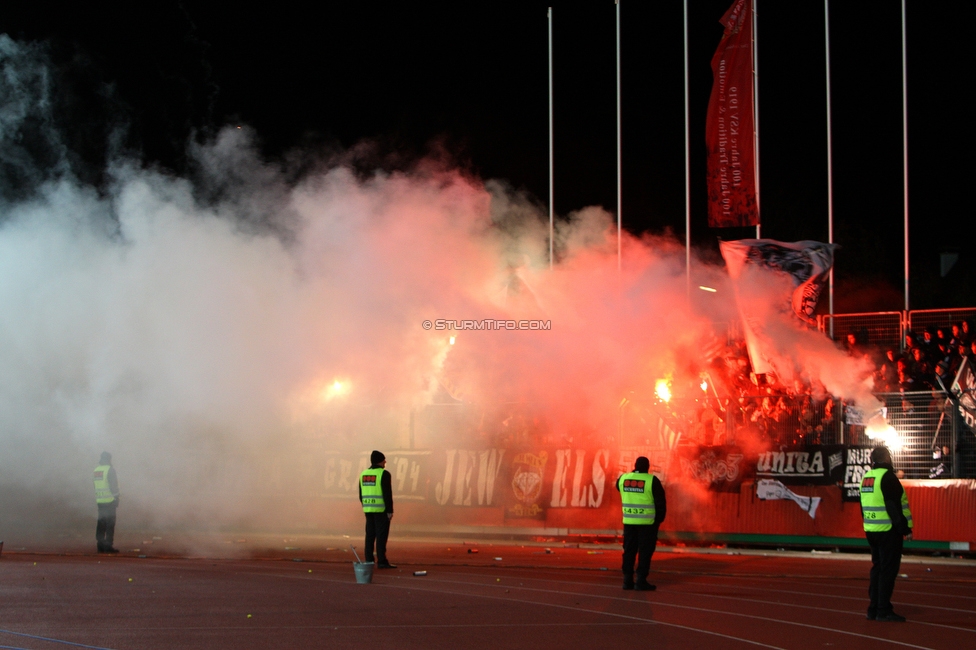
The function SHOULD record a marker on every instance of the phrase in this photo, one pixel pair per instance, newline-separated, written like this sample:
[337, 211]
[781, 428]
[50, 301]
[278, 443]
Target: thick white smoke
[193, 337]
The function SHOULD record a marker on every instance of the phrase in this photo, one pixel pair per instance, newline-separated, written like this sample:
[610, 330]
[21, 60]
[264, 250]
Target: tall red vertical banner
[730, 125]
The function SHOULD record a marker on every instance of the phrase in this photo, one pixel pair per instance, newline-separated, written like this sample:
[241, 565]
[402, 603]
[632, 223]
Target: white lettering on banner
[791, 462]
[816, 465]
[709, 469]
[801, 463]
[599, 477]
[578, 479]
[488, 463]
[405, 470]
[584, 494]
[559, 479]
[491, 463]
[858, 456]
[443, 490]
[855, 473]
[401, 473]
[414, 477]
[462, 488]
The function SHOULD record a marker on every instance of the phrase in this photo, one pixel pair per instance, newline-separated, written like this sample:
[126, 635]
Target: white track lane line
[816, 594]
[418, 587]
[834, 596]
[837, 611]
[638, 619]
[733, 597]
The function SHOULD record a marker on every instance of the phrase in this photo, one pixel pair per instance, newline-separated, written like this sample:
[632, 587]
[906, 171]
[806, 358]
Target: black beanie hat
[376, 457]
[880, 455]
[642, 464]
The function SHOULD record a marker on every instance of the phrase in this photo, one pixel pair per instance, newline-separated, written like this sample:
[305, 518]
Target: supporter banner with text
[528, 482]
[841, 465]
[336, 474]
[729, 131]
[857, 461]
[720, 469]
[525, 482]
[723, 469]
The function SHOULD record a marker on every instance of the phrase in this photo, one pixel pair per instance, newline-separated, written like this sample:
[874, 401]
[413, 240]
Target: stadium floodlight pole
[904, 137]
[830, 165]
[687, 166]
[551, 185]
[619, 158]
[755, 111]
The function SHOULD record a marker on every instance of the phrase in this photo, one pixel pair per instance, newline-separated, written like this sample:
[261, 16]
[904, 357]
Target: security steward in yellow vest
[644, 506]
[376, 495]
[107, 500]
[887, 521]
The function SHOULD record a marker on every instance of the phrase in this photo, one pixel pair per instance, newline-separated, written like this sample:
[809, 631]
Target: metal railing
[919, 319]
[925, 425]
[882, 328]
[785, 420]
[887, 328]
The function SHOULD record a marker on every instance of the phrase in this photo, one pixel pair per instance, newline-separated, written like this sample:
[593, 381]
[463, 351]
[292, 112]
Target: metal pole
[957, 471]
[687, 167]
[755, 110]
[904, 136]
[830, 164]
[619, 158]
[551, 185]
[839, 417]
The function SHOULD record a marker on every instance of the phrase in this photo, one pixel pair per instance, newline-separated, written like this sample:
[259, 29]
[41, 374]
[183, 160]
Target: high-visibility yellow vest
[372, 491]
[636, 498]
[103, 493]
[873, 511]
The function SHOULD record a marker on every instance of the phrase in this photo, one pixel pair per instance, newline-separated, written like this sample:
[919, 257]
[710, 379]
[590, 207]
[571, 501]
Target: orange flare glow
[885, 433]
[662, 390]
[337, 388]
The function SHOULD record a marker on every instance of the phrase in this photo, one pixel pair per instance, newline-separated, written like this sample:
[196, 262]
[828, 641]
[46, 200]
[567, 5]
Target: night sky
[467, 82]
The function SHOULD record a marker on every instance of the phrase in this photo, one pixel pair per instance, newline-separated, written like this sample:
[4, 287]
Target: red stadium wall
[571, 492]
[942, 510]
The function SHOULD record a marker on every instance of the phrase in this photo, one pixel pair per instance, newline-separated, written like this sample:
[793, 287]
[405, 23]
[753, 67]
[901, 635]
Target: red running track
[529, 598]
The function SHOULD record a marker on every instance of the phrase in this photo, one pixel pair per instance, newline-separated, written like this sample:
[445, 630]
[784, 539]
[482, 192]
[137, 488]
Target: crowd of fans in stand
[764, 409]
[935, 353]
[760, 408]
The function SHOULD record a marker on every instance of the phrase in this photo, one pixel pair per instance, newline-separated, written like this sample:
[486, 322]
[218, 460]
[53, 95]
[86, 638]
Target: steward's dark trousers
[885, 562]
[639, 543]
[105, 528]
[377, 531]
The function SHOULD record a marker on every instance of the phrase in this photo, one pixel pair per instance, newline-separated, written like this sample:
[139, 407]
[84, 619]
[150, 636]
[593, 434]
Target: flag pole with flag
[730, 133]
